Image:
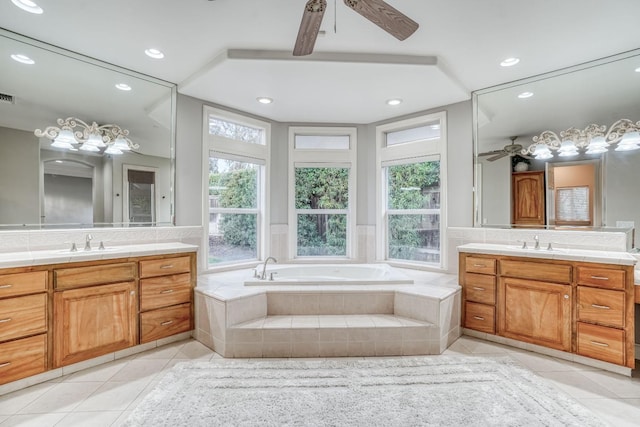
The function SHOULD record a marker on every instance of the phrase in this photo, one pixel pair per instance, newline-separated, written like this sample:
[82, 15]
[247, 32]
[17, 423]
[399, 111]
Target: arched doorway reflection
[68, 192]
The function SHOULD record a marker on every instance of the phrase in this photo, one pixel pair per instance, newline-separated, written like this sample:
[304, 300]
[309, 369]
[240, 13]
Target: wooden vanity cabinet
[478, 280]
[23, 324]
[604, 313]
[92, 314]
[577, 307]
[166, 296]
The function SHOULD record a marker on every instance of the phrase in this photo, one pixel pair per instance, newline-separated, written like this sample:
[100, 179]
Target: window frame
[231, 149]
[408, 153]
[322, 158]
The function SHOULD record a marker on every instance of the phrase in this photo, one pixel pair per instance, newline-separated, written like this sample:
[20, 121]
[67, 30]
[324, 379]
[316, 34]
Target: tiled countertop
[58, 256]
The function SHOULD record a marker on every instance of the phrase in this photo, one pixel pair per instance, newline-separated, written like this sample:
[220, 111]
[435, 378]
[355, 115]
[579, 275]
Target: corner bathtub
[330, 274]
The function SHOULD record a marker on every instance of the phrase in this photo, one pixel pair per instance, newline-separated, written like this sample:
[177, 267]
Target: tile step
[332, 321]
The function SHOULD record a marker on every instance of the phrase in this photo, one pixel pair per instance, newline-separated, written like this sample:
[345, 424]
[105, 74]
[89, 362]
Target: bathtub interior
[328, 274]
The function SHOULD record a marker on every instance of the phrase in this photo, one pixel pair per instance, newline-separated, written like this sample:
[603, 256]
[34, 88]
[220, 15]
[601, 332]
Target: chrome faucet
[87, 245]
[537, 240]
[264, 267]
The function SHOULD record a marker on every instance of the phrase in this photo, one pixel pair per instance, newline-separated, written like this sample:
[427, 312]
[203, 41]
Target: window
[236, 152]
[410, 162]
[322, 192]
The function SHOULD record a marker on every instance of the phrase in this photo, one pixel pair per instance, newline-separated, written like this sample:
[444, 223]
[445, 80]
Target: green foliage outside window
[414, 186]
[236, 187]
[322, 188]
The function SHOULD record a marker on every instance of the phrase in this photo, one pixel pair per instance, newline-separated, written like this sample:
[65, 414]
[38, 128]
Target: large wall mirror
[586, 190]
[48, 186]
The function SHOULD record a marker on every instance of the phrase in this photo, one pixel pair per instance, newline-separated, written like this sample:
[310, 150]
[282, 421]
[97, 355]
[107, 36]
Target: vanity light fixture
[509, 62]
[123, 86]
[28, 6]
[525, 95]
[264, 100]
[394, 102]
[23, 59]
[154, 53]
[74, 134]
[594, 139]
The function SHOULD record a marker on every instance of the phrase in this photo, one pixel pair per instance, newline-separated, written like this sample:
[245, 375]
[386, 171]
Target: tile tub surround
[327, 321]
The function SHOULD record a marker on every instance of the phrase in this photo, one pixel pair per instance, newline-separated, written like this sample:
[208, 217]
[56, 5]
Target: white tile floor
[105, 395]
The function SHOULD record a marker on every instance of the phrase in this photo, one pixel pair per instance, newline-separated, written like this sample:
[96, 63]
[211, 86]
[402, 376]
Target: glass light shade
[89, 147]
[630, 141]
[630, 138]
[568, 149]
[95, 140]
[121, 144]
[66, 135]
[542, 152]
[112, 149]
[597, 142]
[61, 144]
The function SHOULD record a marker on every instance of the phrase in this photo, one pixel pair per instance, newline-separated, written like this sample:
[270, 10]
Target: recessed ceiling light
[394, 102]
[638, 70]
[24, 59]
[58, 161]
[28, 5]
[154, 53]
[510, 62]
[264, 100]
[123, 86]
[524, 95]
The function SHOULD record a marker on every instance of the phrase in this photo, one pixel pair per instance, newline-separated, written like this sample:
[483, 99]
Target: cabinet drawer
[22, 316]
[480, 288]
[560, 273]
[601, 277]
[68, 278]
[164, 291]
[23, 358]
[480, 265]
[22, 283]
[602, 306]
[166, 266]
[600, 342]
[164, 322]
[480, 317]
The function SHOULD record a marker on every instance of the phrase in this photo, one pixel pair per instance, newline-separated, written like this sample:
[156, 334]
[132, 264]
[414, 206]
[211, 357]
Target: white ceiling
[468, 38]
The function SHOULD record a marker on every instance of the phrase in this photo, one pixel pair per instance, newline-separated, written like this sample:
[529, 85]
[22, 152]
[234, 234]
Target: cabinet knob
[566, 296]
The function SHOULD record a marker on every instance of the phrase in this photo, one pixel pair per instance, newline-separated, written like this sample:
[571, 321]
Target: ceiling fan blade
[499, 156]
[385, 16]
[309, 27]
[491, 153]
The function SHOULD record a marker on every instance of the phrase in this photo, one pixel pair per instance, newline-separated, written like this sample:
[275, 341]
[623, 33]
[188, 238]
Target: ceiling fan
[377, 11]
[512, 149]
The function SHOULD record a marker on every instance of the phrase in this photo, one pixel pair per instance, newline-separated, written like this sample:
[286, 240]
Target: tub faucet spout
[263, 276]
[88, 239]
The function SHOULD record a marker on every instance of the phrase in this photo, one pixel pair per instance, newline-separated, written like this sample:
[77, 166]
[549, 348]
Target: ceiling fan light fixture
[509, 62]
[28, 6]
[154, 53]
[395, 101]
[264, 100]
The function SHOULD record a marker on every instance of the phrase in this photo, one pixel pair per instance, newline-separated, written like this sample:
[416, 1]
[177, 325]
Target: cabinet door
[528, 198]
[535, 312]
[93, 321]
